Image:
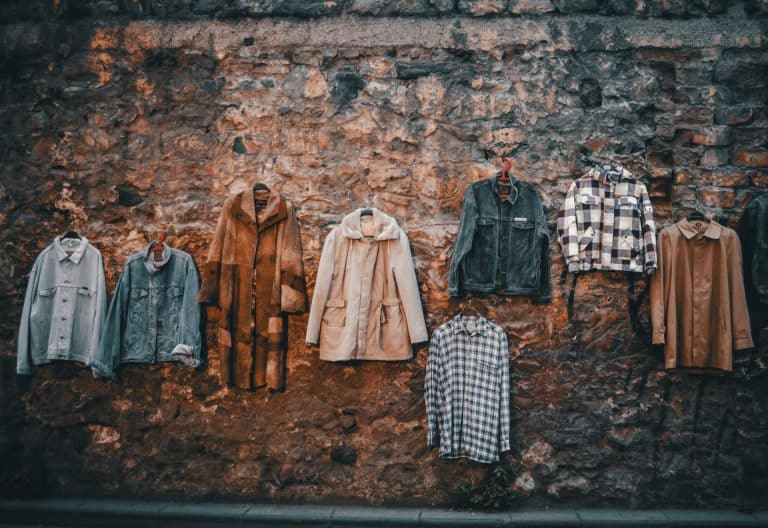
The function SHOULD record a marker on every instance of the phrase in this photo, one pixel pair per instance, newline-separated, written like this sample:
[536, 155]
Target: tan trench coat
[366, 303]
[254, 275]
[698, 307]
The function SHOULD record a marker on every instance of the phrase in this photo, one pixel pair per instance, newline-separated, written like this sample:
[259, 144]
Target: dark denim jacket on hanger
[154, 315]
[502, 245]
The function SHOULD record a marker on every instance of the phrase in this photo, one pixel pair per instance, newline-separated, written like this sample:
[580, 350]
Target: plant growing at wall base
[494, 492]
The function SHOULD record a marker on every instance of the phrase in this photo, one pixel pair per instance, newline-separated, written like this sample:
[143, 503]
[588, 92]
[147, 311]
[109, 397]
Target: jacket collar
[79, 250]
[512, 198]
[689, 231]
[153, 266]
[460, 325]
[275, 210]
[603, 173]
[384, 226]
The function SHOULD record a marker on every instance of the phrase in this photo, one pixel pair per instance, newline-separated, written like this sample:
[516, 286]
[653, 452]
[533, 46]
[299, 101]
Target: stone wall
[122, 116]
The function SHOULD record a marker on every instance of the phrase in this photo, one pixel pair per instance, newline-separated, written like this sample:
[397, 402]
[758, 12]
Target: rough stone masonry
[123, 116]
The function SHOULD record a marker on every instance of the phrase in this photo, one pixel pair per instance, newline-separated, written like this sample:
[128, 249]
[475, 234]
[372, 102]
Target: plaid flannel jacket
[467, 389]
[606, 223]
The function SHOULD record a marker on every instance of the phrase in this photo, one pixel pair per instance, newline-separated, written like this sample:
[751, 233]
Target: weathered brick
[750, 158]
[718, 197]
[714, 157]
[694, 116]
[734, 116]
[725, 177]
[714, 136]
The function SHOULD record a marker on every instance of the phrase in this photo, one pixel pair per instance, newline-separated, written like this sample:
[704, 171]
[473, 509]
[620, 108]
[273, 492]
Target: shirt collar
[602, 173]
[76, 255]
[459, 324]
[153, 266]
[512, 198]
[689, 231]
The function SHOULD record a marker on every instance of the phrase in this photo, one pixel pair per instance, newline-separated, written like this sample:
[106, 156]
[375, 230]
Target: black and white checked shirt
[467, 389]
[606, 223]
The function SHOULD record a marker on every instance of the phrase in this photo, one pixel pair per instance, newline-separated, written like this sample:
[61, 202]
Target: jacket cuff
[183, 354]
[650, 270]
[24, 371]
[99, 369]
[453, 292]
[546, 299]
[573, 267]
[659, 338]
[432, 439]
[740, 343]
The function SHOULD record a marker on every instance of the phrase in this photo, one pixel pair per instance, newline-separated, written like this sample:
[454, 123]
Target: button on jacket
[64, 305]
[254, 275]
[502, 244]
[366, 303]
[154, 315]
[467, 389]
[698, 308]
[606, 223]
[754, 239]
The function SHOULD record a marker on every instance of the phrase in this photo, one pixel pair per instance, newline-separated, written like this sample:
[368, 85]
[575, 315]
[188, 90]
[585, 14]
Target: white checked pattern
[467, 389]
[608, 225]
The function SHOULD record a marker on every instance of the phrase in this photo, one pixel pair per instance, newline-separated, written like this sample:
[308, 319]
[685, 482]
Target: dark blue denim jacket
[503, 243]
[753, 230]
[154, 315]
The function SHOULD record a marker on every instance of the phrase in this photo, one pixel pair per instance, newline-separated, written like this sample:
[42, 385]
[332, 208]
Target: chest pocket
[589, 200]
[628, 202]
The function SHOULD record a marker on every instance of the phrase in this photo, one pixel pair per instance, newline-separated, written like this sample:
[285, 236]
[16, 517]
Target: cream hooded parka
[366, 303]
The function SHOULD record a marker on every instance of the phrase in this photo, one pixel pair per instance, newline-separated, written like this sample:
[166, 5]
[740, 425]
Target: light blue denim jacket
[64, 306]
[154, 315]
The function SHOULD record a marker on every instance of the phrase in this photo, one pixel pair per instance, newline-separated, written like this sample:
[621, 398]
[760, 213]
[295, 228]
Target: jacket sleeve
[101, 308]
[505, 415]
[649, 232]
[434, 384]
[742, 333]
[659, 291]
[544, 295]
[293, 294]
[463, 245]
[106, 359]
[408, 287]
[188, 350]
[23, 359]
[209, 293]
[323, 281]
[568, 230]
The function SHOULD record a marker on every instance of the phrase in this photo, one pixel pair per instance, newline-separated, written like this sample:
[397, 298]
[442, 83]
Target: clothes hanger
[156, 247]
[697, 216]
[469, 305]
[366, 212]
[260, 202]
[71, 234]
[503, 181]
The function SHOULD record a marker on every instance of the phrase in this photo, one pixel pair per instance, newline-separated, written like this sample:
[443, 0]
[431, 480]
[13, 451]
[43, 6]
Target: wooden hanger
[469, 306]
[156, 247]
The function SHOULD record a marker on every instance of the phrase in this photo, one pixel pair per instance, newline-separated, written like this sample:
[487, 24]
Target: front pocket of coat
[481, 261]
[137, 311]
[589, 211]
[332, 326]
[524, 255]
[394, 332]
[40, 319]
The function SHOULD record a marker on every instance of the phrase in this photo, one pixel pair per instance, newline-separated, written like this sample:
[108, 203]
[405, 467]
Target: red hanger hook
[507, 163]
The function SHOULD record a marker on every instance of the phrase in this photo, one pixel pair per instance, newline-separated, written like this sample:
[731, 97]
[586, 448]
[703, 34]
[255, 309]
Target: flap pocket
[46, 292]
[335, 303]
[589, 199]
[627, 201]
[485, 366]
[139, 293]
[485, 221]
[174, 291]
[84, 290]
[526, 224]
